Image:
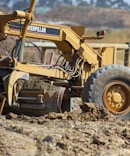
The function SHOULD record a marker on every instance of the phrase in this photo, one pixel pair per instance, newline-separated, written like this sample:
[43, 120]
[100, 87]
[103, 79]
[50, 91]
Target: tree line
[18, 4]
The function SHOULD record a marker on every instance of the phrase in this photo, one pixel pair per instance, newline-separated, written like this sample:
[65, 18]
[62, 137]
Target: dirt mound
[94, 131]
[86, 112]
[90, 112]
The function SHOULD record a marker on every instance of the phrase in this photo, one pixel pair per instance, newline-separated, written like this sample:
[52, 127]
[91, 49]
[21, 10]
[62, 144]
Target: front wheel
[110, 87]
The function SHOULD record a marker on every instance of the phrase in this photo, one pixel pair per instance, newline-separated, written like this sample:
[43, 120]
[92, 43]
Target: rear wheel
[110, 87]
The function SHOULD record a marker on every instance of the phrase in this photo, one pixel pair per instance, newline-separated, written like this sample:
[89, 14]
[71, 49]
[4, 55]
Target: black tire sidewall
[103, 76]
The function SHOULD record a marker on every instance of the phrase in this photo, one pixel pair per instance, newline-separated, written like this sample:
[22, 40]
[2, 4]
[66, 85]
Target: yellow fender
[14, 76]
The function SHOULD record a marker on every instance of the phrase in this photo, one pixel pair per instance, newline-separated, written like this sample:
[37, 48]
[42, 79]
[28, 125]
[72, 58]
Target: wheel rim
[116, 97]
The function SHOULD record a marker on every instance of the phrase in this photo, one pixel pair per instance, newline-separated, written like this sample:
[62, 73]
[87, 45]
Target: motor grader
[81, 70]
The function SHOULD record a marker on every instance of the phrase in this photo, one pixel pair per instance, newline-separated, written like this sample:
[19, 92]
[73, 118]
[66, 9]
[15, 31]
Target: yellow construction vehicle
[82, 70]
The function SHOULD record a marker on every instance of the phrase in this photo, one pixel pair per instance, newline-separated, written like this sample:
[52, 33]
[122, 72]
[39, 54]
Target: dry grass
[112, 35]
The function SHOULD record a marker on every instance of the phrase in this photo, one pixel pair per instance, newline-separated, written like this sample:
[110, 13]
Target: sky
[128, 1]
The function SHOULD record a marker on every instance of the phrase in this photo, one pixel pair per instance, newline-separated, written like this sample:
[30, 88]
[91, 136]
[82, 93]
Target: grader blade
[37, 102]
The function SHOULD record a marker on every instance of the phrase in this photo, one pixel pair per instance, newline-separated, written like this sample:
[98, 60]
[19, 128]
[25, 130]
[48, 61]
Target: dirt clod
[11, 116]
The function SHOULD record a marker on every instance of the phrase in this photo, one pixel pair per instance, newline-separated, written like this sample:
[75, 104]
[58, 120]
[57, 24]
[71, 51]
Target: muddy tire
[110, 86]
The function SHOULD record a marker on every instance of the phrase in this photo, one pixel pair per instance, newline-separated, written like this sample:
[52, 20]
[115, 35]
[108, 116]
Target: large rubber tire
[110, 86]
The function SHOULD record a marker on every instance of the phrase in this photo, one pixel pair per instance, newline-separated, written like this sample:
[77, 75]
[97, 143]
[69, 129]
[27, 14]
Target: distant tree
[24, 4]
[101, 3]
[92, 2]
[52, 3]
[110, 4]
[4, 3]
[119, 4]
[68, 2]
[83, 3]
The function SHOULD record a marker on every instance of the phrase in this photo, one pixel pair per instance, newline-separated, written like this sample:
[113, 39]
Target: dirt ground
[90, 132]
